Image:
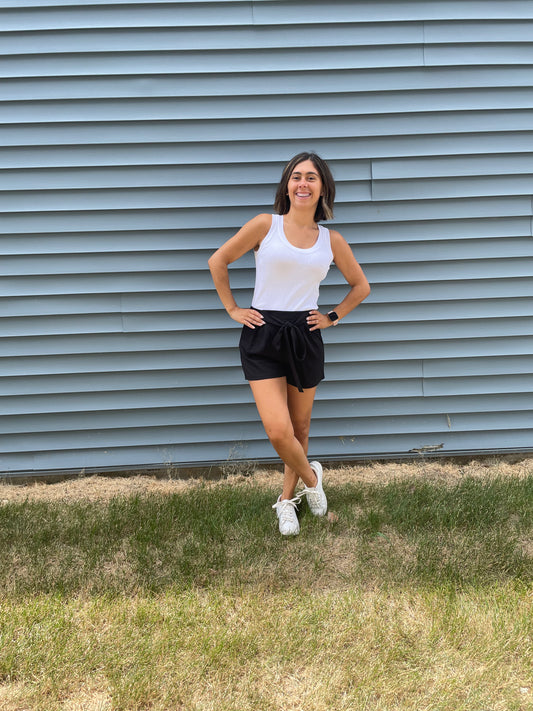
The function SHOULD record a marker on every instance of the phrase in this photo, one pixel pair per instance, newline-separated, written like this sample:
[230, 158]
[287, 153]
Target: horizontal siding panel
[136, 418]
[104, 220]
[67, 16]
[370, 238]
[457, 10]
[408, 406]
[174, 261]
[17, 44]
[447, 249]
[226, 361]
[162, 405]
[111, 14]
[137, 136]
[224, 370]
[118, 42]
[379, 386]
[128, 458]
[455, 318]
[163, 436]
[116, 362]
[96, 152]
[101, 72]
[491, 365]
[478, 32]
[447, 310]
[437, 209]
[375, 313]
[159, 176]
[411, 233]
[69, 99]
[452, 167]
[461, 187]
[420, 291]
[426, 291]
[439, 416]
[495, 53]
[146, 343]
[178, 301]
[479, 385]
[403, 105]
[222, 61]
[51, 203]
[449, 348]
[385, 331]
[114, 127]
[446, 408]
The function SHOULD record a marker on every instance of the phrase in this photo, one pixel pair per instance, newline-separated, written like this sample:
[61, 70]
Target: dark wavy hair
[324, 209]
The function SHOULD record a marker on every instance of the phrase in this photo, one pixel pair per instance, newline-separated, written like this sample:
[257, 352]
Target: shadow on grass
[473, 533]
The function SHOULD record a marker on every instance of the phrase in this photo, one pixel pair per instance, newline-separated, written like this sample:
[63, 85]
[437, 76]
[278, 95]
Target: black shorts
[283, 347]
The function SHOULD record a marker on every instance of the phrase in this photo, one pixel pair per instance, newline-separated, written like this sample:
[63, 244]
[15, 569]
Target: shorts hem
[275, 377]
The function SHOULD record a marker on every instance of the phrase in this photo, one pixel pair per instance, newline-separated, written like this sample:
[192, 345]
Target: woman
[281, 345]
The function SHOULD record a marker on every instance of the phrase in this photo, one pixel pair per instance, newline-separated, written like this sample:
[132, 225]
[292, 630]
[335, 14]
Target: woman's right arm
[247, 238]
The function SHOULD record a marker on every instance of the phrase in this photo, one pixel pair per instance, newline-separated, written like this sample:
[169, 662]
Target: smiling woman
[301, 174]
[281, 346]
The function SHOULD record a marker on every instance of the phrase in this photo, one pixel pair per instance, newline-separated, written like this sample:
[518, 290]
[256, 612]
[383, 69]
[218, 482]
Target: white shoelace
[310, 491]
[283, 507]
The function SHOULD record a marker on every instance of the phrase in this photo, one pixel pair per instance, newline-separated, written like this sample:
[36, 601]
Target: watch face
[333, 316]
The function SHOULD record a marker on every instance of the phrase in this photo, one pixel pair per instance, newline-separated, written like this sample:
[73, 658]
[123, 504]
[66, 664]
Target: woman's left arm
[354, 275]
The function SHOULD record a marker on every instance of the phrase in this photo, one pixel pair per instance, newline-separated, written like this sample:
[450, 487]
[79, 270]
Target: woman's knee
[301, 430]
[279, 433]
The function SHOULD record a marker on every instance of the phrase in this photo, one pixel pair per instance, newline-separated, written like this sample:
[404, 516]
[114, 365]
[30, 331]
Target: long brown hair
[324, 208]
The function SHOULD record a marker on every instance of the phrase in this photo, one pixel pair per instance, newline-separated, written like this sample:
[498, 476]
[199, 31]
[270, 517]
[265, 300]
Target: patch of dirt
[10, 693]
[88, 700]
[90, 488]
[104, 488]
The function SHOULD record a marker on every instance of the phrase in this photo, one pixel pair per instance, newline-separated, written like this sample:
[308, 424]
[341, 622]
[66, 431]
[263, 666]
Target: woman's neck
[301, 218]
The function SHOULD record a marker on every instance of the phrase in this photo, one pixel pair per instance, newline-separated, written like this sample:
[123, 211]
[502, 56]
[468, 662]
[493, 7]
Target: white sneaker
[288, 520]
[316, 498]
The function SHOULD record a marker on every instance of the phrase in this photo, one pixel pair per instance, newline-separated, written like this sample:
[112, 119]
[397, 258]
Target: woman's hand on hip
[248, 317]
[316, 320]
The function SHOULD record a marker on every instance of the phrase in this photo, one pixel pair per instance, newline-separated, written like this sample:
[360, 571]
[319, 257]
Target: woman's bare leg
[272, 398]
[300, 409]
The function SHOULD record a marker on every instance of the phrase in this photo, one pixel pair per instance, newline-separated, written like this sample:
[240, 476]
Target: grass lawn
[416, 593]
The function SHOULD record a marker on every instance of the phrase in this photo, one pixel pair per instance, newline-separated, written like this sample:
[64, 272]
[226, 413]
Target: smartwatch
[333, 317]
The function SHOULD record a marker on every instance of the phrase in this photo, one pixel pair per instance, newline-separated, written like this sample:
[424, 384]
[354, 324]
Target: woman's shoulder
[335, 236]
[337, 242]
[260, 226]
[264, 219]
[261, 222]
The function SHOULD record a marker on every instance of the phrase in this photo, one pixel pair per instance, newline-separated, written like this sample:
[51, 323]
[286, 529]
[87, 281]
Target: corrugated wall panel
[138, 136]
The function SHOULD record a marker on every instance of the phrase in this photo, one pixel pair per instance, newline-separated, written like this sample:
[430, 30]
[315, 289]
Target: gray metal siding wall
[136, 137]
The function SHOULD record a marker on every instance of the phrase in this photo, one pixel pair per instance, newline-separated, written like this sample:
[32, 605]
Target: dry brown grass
[104, 488]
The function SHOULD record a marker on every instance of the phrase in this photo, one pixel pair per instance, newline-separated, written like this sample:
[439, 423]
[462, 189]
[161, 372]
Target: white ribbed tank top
[287, 277]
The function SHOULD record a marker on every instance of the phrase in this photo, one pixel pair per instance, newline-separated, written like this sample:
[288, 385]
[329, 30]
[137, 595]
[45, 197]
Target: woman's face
[305, 186]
